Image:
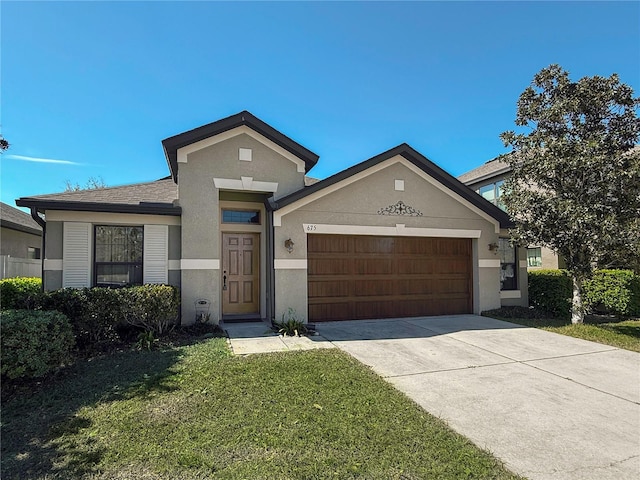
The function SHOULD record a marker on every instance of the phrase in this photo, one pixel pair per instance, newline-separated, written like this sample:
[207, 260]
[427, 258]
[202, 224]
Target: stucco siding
[175, 242]
[222, 161]
[359, 204]
[52, 280]
[16, 243]
[199, 284]
[54, 240]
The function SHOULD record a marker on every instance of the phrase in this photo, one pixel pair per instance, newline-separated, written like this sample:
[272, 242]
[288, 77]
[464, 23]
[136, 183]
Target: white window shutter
[156, 254]
[76, 255]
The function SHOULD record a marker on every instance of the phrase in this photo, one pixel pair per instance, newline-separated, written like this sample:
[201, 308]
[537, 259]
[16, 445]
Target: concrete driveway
[549, 406]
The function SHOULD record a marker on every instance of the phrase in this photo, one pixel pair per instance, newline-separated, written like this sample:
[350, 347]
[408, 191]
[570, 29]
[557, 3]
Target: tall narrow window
[118, 255]
[508, 265]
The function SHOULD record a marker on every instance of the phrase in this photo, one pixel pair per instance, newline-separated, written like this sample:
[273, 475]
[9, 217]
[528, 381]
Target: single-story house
[487, 180]
[20, 244]
[238, 226]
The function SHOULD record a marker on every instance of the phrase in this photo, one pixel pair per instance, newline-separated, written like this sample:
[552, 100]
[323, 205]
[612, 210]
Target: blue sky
[97, 86]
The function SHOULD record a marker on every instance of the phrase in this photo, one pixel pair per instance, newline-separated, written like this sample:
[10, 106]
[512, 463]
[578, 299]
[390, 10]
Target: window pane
[507, 251]
[508, 265]
[534, 257]
[488, 192]
[115, 275]
[241, 216]
[118, 255]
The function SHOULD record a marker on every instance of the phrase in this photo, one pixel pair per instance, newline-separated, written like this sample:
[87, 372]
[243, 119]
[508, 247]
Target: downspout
[40, 221]
[269, 207]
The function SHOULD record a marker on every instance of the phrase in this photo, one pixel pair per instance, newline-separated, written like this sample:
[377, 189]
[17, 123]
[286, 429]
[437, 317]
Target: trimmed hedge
[551, 292]
[34, 342]
[152, 307]
[20, 292]
[614, 292]
[96, 314]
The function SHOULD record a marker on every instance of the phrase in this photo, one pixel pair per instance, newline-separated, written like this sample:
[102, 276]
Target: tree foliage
[575, 182]
[93, 183]
[4, 144]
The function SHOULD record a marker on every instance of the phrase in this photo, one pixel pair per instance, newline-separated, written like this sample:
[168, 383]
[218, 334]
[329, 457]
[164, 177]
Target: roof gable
[421, 162]
[244, 118]
[11, 217]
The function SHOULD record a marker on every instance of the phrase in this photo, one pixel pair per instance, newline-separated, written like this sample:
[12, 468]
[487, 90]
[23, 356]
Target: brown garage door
[358, 277]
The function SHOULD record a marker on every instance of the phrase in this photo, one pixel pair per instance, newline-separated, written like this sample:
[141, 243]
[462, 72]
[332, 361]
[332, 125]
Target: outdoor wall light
[493, 247]
[288, 244]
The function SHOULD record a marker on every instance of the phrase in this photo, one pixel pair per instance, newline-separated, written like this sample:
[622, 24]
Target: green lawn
[621, 334]
[197, 412]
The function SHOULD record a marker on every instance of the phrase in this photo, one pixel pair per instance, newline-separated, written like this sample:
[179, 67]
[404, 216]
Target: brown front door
[241, 273]
[360, 277]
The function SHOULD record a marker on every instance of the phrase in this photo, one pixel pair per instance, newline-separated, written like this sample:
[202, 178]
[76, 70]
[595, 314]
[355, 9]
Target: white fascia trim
[200, 264]
[510, 294]
[52, 264]
[398, 231]
[484, 263]
[234, 132]
[245, 184]
[109, 218]
[290, 263]
[174, 264]
[278, 214]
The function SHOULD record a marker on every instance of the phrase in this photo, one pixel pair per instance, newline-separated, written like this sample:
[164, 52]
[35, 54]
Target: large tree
[575, 182]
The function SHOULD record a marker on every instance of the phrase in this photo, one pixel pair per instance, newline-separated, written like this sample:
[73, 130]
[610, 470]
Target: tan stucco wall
[359, 203]
[221, 161]
[16, 243]
[200, 202]
[549, 260]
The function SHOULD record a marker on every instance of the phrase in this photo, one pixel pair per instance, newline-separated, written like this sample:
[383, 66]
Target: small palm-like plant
[291, 325]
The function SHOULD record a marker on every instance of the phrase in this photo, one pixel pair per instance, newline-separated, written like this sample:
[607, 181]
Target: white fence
[19, 267]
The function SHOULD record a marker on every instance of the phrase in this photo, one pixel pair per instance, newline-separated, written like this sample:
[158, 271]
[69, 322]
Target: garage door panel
[359, 277]
[330, 266]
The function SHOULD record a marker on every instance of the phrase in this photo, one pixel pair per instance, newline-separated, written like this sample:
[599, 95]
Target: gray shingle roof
[11, 217]
[150, 197]
[487, 170]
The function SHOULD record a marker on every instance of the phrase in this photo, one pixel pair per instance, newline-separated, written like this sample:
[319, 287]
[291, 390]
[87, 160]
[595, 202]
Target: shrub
[615, 292]
[94, 313]
[152, 307]
[551, 292]
[34, 342]
[20, 293]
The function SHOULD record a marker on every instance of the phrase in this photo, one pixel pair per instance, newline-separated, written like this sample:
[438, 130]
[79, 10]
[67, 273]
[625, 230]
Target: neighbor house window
[534, 257]
[241, 216]
[493, 193]
[118, 255]
[508, 270]
[33, 253]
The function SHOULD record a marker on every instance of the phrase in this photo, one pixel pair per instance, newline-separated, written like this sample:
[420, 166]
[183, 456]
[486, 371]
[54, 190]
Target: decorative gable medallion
[400, 208]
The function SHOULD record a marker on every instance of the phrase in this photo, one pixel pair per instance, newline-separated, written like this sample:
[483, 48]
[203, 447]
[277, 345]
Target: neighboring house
[238, 226]
[487, 180]
[20, 244]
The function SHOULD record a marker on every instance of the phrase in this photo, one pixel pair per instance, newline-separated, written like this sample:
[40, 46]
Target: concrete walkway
[257, 337]
[549, 406]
